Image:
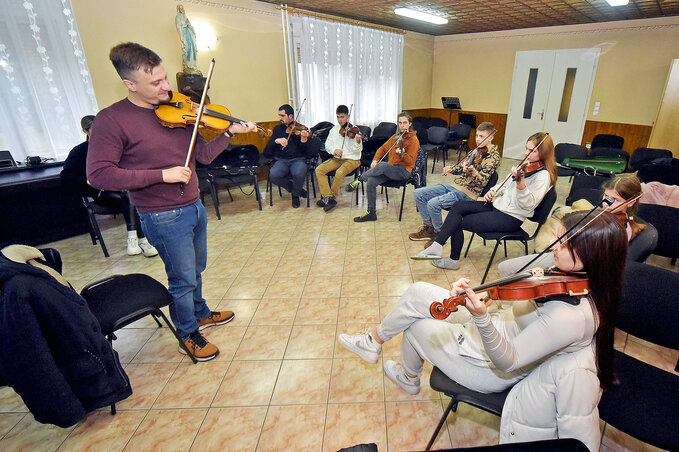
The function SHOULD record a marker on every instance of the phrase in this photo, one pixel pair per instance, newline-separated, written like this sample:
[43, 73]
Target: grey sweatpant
[380, 173]
[436, 341]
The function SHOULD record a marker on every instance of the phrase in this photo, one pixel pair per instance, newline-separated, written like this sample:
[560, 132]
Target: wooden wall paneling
[635, 135]
[665, 133]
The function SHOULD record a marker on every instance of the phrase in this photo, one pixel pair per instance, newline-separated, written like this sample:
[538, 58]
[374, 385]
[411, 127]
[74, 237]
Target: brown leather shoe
[199, 347]
[216, 318]
[426, 232]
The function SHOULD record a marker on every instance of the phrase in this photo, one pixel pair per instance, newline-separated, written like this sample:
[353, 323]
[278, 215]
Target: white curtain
[45, 85]
[338, 63]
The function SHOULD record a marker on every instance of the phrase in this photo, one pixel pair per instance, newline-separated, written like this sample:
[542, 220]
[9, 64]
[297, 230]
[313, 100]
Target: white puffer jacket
[558, 399]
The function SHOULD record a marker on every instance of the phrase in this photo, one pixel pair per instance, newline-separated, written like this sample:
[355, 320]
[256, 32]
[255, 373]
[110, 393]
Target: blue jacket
[52, 351]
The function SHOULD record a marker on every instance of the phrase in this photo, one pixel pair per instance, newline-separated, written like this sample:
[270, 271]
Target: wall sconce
[205, 37]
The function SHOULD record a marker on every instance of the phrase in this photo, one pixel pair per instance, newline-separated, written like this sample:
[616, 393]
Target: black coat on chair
[52, 351]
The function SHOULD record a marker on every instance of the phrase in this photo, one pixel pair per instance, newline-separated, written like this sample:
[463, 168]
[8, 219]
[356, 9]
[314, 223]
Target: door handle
[542, 114]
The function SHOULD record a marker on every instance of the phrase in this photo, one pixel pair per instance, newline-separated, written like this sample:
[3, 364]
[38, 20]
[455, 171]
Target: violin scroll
[441, 310]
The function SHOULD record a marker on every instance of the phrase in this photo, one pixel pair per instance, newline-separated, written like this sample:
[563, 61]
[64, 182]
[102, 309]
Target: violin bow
[565, 234]
[344, 138]
[199, 115]
[400, 137]
[522, 162]
[299, 110]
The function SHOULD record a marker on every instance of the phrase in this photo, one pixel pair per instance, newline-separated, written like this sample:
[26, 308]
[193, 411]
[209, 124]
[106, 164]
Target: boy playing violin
[290, 148]
[130, 150]
[346, 154]
[471, 178]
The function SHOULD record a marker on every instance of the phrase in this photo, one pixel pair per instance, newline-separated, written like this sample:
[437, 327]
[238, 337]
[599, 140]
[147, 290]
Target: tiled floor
[295, 279]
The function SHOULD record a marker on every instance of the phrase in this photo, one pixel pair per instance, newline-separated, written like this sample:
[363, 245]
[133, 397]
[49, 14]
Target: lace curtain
[338, 63]
[45, 84]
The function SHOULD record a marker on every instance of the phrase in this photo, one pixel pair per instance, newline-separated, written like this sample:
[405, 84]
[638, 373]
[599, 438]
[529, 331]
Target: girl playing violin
[505, 206]
[623, 190]
[489, 353]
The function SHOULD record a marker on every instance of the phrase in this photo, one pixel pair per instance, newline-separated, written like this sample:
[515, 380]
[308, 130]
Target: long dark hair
[602, 249]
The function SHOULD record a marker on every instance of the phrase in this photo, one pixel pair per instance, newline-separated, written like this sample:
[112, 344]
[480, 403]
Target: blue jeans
[180, 236]
[289, 174]
[431, 200]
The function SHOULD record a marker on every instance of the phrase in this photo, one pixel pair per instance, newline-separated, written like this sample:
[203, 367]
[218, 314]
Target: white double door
[551, 91]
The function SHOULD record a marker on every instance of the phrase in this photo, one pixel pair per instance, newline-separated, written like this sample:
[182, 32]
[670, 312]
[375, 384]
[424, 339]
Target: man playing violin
[346, 154]
[471, 178]
[130, 150]
[289, 146]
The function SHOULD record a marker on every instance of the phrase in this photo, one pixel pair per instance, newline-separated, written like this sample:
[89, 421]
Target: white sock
[435, 248]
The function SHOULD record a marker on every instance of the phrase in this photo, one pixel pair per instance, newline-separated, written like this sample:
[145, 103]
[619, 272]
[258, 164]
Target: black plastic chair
[604, 140]
[436, 141]
[94, 209]
[540, 215]
[365, 132]
[582, 180]
[643, 402]
[458, 139]
[418, 179]
[568, 150]
[665, 174]
[389, 127]
[666, 221]
[613, 153]
[311, 163]
[643, 156]
[120, 300]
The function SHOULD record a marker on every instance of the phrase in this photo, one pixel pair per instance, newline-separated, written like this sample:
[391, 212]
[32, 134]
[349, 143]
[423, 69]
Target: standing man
[346, 154]
[131, 150]
[290, 149]
[468, 183]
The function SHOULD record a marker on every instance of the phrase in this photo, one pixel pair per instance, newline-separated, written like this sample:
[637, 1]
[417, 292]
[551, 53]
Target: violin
[534, 284]
[528, 169]
[296, 128]
[181, 111]
[349, 131]
[476, 155]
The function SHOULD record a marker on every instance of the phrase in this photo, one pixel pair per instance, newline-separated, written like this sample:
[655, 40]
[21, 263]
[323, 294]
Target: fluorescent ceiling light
[617, 2]
[419, 15]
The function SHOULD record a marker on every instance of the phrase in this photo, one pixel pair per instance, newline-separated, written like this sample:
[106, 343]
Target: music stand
[451, 103]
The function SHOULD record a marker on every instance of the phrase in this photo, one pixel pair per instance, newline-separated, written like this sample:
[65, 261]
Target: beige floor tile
[192, 386]
[409, 425]
[390, 286]
[359, 310]
[652, 354]
[326, 267]
[243, 310]
[322, 286]
[359, 286]
[227, 338]
[276, 311]
[160, 348]
[317, 311]
[130, 340]
[355, 381]
[8, 421]
[264, 342]
[293, 428]
[147, 380]
[31, 435]
[11, 402]
[248, 287]
[470, 426]
[302, 382]
[360, 266]
[311, 341]
[101, 431]
[285, 287]
[248, 383]
[619, 441]
[349, 424]
[167, 430]
[219, 432]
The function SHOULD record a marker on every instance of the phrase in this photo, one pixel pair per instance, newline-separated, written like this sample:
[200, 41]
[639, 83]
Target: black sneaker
[303, 194]
[295, 202]
[321, 202]
[353, 186]
[330, 204]
[367, 216]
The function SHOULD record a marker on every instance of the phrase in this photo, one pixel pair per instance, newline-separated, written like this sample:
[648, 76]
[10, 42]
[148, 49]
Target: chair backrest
[610, 152]
[491, 182]
[593, 195]
[644, 243]
[648, 308]
[647, 155]
[437, 135]
[460, 131]
[314, 148]
[604, 140]
[581, 180]
[422, 135]
[99, 209]
[384, 130]
[242, 156]
[569, 150]
[390, 126]
[543, 209]
[420, 122]
[467, 118]
[365, 131]
[324, 127]
[438, 122]
[666, 174]
[666, 221]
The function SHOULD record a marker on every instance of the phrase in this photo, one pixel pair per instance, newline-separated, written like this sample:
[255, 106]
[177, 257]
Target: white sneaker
[148, 249]
[363, 345]
[395, 372]
[446, 263]
[133, 246]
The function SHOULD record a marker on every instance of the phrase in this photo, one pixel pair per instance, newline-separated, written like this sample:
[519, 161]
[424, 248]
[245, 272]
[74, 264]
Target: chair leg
[160, 325]
[505, 243]
[229, 192]
[257, 192]
[269, 189]
[97, 233]
[403, 197]
[452, 406]
[386, 193]
[490, 261]
[174, 331]
[471, 239]
[215, 199]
